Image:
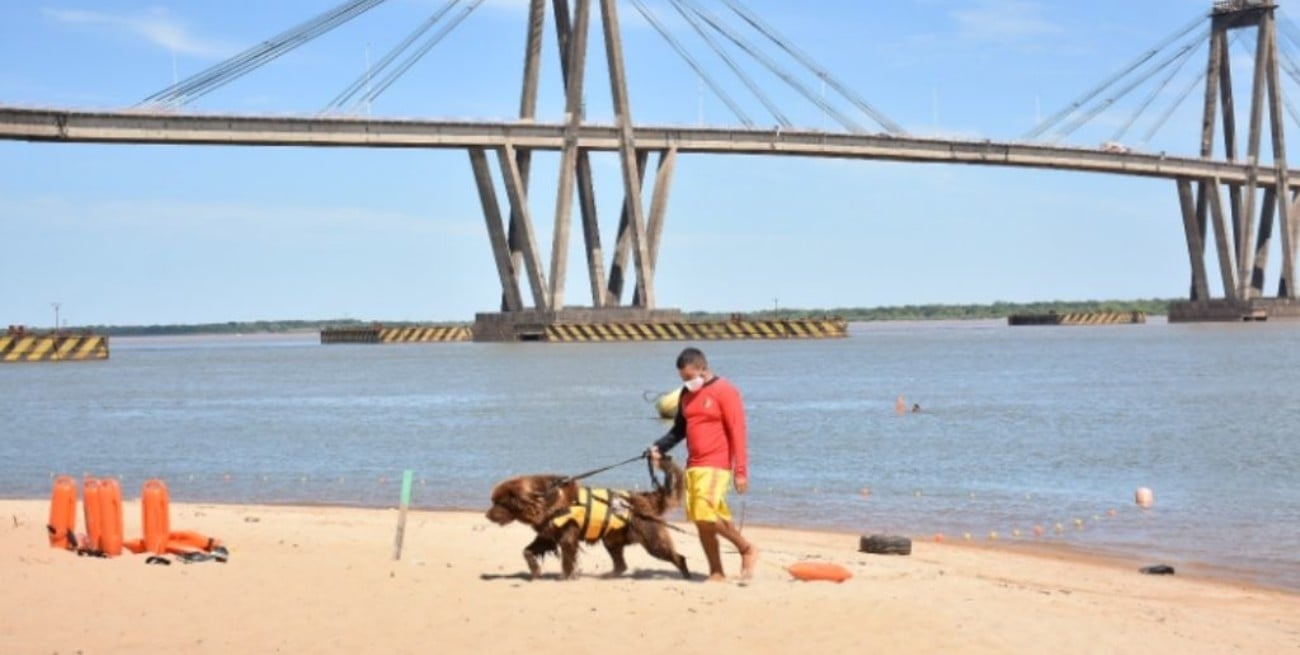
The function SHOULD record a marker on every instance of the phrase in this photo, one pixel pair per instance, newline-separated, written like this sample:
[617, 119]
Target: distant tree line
[244, 327]
[997, 310]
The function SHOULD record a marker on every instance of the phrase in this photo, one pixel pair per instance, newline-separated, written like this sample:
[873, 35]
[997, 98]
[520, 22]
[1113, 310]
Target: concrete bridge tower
[514, 246]
[1243, 254]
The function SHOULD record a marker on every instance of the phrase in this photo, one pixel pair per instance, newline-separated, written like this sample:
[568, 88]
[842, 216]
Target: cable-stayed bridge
[1239, 196]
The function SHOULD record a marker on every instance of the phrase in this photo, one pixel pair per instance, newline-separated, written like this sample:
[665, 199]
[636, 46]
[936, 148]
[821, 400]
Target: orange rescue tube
[827, 571]
[110, 517]
[187, 541]
[155, 507]
[90, 502]
[63, 513]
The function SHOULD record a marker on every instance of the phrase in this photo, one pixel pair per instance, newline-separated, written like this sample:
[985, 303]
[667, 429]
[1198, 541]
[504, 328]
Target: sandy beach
[322, 580]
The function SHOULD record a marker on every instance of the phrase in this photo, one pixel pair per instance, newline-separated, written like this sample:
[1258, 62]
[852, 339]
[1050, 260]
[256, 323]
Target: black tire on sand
[879, 544]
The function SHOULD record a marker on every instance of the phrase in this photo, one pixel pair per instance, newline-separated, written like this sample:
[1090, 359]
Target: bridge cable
[415, 57]
[1092, 113]
[1287, 65]
[1151, 97]
[1173, 108]
[740, 42]
[1088, 96]
[224, 72]
[1179, 100]
[785, 44]
[1289, 27]
[691, 61]
[731, 63]
[366, 78]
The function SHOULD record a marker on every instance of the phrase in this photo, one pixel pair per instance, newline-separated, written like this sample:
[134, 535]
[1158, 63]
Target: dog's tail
[673, 491]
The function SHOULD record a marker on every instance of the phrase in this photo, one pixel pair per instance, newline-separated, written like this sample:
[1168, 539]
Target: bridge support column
[627, 155]
[519, 203]
[1214, 198]
[512, 300]
[1195, 244]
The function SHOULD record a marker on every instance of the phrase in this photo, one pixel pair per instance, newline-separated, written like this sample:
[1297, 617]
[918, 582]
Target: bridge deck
[131, 126]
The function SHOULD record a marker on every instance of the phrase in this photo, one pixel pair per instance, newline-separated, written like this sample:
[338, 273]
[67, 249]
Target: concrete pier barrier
[21, 345]
[1079, 318]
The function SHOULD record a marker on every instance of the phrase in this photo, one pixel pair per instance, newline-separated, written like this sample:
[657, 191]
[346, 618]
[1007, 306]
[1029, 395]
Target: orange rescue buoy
[63, 513]
[185, 541]
[110, 517]
[90, 503]
[1144, 497]
[155, 506]
[813, 571]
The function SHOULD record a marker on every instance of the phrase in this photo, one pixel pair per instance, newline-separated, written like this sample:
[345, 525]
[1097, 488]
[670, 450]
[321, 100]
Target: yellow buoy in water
[667, 403]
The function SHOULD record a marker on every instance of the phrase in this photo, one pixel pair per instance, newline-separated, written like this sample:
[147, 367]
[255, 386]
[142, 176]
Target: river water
[1021, 428]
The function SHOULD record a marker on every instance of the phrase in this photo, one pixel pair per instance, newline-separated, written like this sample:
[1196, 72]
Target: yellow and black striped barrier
[24, 347]
[1079, 318]
[379, 334]
[830, 328]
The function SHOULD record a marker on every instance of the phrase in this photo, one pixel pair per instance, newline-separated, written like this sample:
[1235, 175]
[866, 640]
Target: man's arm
[674, 435]
[733, 420]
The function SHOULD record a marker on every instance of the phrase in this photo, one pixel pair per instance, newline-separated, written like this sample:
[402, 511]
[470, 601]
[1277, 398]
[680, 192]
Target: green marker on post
[401, 515]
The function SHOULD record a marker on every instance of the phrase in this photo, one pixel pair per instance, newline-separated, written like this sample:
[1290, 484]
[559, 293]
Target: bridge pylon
[1243, 254]
[514, 246]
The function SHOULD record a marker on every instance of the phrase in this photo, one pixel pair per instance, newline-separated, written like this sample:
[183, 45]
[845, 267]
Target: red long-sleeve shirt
[712, 421]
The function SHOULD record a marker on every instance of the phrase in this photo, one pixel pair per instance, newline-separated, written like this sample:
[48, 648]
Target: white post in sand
[401, 516]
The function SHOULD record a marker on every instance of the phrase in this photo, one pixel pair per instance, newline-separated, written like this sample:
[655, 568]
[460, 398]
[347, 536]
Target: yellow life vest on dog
[597, 511]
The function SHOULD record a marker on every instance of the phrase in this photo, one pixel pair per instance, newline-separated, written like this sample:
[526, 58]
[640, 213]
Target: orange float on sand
[155, 507]
[813, 571]
[90, 503]
[110, 517]
[186, 541]
[63, 513]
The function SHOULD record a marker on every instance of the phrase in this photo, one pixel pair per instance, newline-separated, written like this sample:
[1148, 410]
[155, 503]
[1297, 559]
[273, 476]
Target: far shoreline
[998, 310]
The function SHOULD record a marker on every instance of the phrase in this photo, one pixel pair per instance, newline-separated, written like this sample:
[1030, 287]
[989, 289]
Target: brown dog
[564, 513]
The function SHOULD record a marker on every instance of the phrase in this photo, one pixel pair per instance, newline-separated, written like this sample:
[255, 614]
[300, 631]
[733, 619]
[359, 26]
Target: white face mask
[695, 384]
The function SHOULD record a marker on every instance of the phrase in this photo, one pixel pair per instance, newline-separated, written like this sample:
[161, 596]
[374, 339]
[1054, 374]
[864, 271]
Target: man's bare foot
[717, 577]
[748, 559]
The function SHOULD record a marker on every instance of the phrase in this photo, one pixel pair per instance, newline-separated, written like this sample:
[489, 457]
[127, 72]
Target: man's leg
[748, 552]
[709, 541]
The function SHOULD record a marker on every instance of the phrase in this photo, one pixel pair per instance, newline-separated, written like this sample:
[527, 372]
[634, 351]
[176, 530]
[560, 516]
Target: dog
[564, 514]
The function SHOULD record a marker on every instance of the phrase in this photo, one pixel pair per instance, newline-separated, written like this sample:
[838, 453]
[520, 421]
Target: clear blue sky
[149, 234]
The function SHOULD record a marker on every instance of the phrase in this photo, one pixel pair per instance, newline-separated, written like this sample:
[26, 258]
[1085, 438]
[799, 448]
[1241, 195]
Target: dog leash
[574, 478]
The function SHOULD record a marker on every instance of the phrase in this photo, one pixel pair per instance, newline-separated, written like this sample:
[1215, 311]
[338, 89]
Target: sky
[131, 234]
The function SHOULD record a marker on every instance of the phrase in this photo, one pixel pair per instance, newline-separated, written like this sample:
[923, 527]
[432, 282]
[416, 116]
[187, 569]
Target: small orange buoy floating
[823, 571]
[1144, 497]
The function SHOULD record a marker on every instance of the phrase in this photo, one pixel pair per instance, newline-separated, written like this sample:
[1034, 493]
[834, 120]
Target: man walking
[711, 418]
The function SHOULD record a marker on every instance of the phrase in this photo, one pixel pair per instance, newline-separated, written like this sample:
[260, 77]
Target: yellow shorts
[706, 495]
